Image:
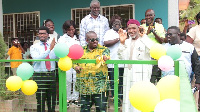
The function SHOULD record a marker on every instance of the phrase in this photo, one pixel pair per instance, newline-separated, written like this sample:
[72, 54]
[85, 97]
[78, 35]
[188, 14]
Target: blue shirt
[37, 51]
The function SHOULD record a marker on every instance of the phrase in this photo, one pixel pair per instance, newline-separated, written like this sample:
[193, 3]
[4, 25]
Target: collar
[87, 48]
[92, 17]
[42, 43]
[148, 24]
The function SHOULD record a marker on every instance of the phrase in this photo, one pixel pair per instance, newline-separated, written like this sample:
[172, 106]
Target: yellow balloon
[29, 87]
[157, 50]
[65, 63]
[169, 87]
[144, 96]
[14, 83]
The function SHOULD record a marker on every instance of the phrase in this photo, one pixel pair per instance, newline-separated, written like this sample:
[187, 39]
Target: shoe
[77, 103]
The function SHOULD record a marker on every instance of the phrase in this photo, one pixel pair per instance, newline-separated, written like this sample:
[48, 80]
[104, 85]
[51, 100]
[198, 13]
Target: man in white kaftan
[136, 47]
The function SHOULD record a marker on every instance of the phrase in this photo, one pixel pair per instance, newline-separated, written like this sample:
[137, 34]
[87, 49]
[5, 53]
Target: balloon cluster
[24, 72]
[165, 58]
[164, 97]
[66, 53]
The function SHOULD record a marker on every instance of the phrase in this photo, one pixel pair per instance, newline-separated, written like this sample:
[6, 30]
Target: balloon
[29, 87]
[65, 63]
[144, 96]
[14, 83]
[157, 50]
[169, 87]
[75, 51]
[168, 105]
[61, 50]
[174, 52]
[25, 71]
[165, 63]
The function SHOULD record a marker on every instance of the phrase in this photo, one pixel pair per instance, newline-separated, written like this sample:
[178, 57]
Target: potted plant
[9, 101]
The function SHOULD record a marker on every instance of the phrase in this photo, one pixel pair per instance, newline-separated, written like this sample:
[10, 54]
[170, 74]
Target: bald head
[149, 16]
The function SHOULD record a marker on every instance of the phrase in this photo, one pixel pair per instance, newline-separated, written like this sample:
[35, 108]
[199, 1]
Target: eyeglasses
[42, 33]
[93, 39]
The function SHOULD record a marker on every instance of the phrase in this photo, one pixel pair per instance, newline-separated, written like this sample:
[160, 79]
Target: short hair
[158, 18]
[198, 17]
[88, 33]
[114, 17]
[23, 43]
[47, 20]
[175, 27]
[94, 1]
[44, 28]
[14, 39]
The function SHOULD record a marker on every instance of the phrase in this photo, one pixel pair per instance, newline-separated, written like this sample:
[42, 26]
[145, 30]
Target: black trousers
[120, 86]
[156, 74]
[46, 91]
[100, 101]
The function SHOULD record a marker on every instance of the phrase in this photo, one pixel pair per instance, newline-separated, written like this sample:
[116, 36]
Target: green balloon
[25, 71]
[174, 52]
[61, 50]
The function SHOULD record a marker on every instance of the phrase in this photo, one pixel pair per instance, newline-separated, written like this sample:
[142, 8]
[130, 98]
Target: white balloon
[168, 105]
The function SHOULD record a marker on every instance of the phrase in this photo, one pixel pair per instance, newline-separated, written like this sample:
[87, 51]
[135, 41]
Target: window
[21, 25]
[126, 12]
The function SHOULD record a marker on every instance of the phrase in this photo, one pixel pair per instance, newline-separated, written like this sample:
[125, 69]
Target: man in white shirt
[93, 22]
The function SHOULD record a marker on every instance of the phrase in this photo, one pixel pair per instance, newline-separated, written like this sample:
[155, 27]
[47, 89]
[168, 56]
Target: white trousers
[72, 94]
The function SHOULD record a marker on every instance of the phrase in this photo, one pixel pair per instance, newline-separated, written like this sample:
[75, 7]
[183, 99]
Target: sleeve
[160, 30]
[192, 33]
[146, 41]
[121, 51]
[196, 65]
[106, 36]
[106, 53]
[82, 32]
[36, 54]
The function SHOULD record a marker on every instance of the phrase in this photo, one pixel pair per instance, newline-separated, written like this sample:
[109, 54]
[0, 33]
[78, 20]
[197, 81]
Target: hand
[149, 28]
[141, 31]
[198, 86]
[122, 36]
[105, 58]
[78, 69]
[186, 23]
[52, 44]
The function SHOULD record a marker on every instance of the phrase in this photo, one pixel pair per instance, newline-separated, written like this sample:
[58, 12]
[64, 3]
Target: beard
[132, 36]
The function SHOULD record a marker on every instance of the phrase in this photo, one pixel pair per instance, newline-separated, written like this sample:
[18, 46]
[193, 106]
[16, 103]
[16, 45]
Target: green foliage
[2, 47]
[4, 93]
[191, 11]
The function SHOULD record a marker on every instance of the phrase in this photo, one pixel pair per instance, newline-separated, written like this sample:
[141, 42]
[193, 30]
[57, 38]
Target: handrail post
[116, 81]
[62, 91]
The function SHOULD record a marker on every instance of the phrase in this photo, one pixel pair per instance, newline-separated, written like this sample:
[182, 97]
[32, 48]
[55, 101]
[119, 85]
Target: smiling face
[71, 31]
[43, 35]
[95, 9]
[132, 30]
[149, 16]
[116, 25]
[92, 40]
[51, 27]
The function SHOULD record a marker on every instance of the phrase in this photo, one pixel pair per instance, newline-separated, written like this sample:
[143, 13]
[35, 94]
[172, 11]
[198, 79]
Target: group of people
[89, 83]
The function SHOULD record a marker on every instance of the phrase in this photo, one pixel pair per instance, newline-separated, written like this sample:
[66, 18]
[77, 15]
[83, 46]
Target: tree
[191, 11]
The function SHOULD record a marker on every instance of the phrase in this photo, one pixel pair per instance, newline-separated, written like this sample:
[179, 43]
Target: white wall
[1, 17]
[173, 13]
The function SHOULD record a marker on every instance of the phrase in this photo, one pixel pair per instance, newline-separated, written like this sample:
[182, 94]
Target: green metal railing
[62, 81]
